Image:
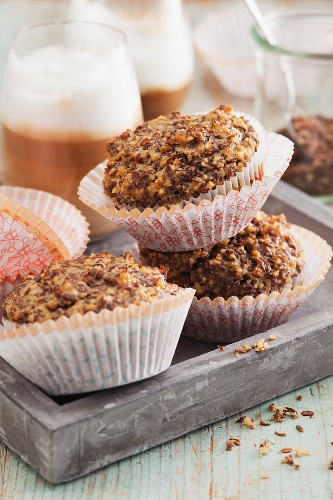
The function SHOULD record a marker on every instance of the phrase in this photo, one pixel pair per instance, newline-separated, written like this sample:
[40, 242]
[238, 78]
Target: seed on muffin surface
[88, 283]
[172, 159]
[262, 258]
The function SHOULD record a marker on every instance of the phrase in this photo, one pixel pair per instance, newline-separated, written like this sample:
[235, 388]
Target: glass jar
[295, 92]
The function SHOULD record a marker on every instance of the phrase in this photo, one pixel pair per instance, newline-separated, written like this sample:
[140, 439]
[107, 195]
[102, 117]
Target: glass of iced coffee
[69, 88]
[160, 43]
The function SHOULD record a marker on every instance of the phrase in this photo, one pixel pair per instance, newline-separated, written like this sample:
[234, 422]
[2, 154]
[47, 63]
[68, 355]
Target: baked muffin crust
[171, 159]
[263, 258]
[88, 283]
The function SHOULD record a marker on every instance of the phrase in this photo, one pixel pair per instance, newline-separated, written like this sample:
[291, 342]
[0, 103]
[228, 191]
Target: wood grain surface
[197, 466]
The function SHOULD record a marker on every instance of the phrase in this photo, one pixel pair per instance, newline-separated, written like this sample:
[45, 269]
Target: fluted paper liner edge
[65, 220]
[98, 350]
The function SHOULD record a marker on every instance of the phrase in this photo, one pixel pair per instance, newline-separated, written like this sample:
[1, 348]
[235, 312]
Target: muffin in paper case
[231, 320]
[35, 228]
[96, 351]
[204, 221]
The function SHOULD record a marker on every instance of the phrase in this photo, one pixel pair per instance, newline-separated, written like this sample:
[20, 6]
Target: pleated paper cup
[90, 352]
[227, 321]
[27, 243]
[62, 217]
[200, 223]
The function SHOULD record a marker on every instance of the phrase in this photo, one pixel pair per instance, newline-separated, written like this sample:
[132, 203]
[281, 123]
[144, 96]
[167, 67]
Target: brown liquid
[157, 102]
[55, 163]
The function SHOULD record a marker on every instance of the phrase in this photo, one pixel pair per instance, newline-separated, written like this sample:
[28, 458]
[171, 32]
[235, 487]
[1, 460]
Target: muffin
[171, 159]
[250, 283]
[92, 323]
[88, 283]
[121, 191]
[262, 258]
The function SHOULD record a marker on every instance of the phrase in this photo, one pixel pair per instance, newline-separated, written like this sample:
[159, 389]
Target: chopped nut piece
[260, 346]
[290, 461]
[290, 412]
[236, 441]
[278, 415]
[281, 434]
[300, 452]
[236, 353]
[265, 447]
[307, 413]
[299, 428]
[299, 398]
[286, 450]
[244, 348]
[272, 337]
[272, 407]
[264, 476]
[229, 445]
[220, 348]
[331, 460]
[247, 421]
[263, 423]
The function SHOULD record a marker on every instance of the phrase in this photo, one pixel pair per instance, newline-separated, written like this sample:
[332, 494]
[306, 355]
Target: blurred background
[203, 54]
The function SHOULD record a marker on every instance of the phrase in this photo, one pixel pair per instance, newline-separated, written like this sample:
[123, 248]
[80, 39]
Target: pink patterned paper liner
[27, 244]
[62, 217]
[96, 351]
[227, 321]
[193, 226]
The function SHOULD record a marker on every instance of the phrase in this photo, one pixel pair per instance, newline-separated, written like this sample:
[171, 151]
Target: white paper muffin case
[227, 321]
[206, 221]
[96, 351]
[62, 217]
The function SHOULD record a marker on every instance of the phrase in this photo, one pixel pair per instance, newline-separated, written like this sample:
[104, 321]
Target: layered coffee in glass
[160, 43]
[69, 88]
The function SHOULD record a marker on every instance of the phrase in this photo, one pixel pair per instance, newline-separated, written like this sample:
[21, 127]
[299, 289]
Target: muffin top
[262, 258]
[169, 160]
[88, 283]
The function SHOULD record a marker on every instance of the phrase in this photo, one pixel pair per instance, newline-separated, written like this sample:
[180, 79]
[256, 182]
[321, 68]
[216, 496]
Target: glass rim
[62, 21]
[290, 14]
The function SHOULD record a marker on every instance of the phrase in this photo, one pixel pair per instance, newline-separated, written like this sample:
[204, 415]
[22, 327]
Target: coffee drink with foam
[69, 89]
[160, 44]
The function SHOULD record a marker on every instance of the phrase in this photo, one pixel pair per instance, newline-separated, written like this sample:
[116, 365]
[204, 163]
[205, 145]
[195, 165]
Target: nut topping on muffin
[88, 283]
[172, 159]
[262, 258]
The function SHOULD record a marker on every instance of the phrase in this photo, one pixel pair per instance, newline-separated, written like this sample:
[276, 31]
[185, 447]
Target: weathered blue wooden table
[198, 466]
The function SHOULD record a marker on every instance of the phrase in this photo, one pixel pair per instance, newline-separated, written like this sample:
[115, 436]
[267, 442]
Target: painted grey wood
[64, 441]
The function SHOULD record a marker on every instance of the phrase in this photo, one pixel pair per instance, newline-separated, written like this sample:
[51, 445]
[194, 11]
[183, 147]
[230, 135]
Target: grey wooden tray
[63, 438]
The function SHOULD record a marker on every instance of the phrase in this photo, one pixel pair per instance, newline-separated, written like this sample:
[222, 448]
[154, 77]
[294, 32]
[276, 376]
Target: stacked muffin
[190, 190]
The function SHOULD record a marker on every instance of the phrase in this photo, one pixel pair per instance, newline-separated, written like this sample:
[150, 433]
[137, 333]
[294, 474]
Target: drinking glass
[69, 88]
[160, 43]
[300, 106]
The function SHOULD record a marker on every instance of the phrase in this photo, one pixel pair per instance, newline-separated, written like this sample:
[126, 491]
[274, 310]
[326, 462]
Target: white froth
[65, 89]
[160, 43]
